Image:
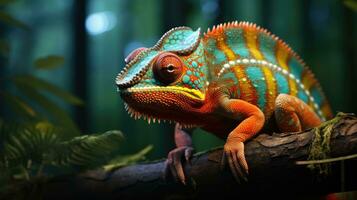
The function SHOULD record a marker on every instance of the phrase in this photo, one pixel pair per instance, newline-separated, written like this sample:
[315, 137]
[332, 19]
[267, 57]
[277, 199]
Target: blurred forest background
[94, 36]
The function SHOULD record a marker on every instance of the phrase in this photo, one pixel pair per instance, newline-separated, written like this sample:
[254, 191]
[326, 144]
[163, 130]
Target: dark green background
[323, 32]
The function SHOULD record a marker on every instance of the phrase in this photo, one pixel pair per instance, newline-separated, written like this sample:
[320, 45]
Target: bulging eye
[133, 54]
[168, 68]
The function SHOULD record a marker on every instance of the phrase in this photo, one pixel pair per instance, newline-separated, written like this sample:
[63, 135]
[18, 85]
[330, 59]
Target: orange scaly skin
[230, 82]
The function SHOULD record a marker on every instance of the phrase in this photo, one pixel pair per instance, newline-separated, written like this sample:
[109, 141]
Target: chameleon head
[168, 80]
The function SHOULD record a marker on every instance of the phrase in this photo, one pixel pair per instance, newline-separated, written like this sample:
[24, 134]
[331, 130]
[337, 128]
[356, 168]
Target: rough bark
[271, 159]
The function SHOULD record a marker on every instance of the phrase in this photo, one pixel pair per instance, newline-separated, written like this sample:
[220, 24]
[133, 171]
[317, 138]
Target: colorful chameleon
[233, 82]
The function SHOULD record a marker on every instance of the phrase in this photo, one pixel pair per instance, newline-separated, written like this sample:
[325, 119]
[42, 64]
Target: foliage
[26, 97]
[35, 152]
[40, 149]
[49, 62]
[38, 138]
[351, 4]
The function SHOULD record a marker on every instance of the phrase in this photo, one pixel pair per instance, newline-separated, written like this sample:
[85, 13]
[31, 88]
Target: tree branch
[271, 159]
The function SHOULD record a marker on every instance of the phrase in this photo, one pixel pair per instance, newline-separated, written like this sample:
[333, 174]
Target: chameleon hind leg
[294, 115]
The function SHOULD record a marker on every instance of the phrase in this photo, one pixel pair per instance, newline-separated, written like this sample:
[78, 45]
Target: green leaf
[37, 83]
[351, 4]
[26, 142]
[10, 20]
[87, 151]
[121, 160]
[49, 62]
[60, 115]
[17, 104]
[4, 48]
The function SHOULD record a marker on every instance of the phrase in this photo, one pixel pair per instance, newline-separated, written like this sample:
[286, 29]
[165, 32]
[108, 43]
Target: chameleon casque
[233, 81]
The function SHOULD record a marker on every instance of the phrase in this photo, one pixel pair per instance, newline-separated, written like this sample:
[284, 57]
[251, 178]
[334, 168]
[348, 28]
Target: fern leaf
[25, 143]
[123, 160]
[87, 151]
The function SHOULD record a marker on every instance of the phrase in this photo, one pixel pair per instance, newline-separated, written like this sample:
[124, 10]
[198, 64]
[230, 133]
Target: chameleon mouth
[192, 93]
[152, 117]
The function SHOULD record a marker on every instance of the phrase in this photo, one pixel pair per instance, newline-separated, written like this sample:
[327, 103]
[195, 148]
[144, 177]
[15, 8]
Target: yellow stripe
[247, 92]
[193, 93]
[308, 80]
[252, 44]
[293, 87]
[271, 91]
[282, 56]
[226, 50]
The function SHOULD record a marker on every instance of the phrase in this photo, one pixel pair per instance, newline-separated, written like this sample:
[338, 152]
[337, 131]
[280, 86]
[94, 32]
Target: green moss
[320, 147]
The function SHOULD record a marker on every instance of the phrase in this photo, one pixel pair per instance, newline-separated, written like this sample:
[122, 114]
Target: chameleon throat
[149, 118]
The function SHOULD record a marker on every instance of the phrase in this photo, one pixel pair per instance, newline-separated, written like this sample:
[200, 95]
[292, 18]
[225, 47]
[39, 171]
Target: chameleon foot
[173, 163]
[234, 153]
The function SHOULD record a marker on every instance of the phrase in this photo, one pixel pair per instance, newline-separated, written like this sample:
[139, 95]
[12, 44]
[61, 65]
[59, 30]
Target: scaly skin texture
[231, 82]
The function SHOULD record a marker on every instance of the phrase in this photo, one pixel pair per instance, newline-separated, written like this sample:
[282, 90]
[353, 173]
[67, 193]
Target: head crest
[180, 40]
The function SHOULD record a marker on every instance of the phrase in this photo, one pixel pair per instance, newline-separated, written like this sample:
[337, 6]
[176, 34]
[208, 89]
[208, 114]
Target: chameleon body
[232, 82]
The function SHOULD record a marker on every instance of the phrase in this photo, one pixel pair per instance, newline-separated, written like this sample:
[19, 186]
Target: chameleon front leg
[252, 121]
[183, 149]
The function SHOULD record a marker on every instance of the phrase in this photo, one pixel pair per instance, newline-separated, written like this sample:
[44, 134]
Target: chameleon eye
[133, 54]
[168, 68]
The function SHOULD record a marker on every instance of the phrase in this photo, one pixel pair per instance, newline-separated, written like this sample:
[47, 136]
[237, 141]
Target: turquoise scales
[259, 66]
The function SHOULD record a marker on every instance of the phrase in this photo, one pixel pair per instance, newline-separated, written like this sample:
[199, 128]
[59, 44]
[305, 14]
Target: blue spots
[255, 75]
[282, 82]
[295, 68]
[186, 79]
[200, 59]
[267, 47]
[196, 75]
[303, 96]
[317, 95]
[235, 41]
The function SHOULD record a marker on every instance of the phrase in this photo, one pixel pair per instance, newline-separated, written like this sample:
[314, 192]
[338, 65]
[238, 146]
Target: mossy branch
[273, 170]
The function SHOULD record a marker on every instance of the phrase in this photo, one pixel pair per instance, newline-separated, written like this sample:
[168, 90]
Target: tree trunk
[272, 167]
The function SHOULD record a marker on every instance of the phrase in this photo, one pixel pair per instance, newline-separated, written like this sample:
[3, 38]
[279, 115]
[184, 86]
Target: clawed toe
[173, 164]
[234, 155]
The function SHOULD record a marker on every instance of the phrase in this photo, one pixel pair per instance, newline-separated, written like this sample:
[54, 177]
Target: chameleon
[234, 81]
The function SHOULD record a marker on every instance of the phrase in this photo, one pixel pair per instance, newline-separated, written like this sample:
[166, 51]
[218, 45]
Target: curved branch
[272, 171]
